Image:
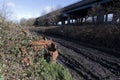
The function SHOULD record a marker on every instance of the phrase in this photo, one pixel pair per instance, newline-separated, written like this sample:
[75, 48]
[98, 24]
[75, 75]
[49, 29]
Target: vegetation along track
[88, 63]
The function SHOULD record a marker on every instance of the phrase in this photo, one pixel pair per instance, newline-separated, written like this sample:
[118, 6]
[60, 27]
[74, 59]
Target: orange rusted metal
[54, 55]
[42, 42]
[43, 46]
[45, 43]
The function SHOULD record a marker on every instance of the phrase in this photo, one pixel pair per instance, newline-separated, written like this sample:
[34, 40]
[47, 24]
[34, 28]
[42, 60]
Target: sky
[33, 8]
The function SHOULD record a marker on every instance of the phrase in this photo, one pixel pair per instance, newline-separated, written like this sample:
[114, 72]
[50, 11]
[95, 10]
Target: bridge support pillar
[116, 17]
[93, 19]
[106, 17]
[68, 20]
[63, 22]
[72, 21]
[100, 17]
[77, 20]
[80, 20]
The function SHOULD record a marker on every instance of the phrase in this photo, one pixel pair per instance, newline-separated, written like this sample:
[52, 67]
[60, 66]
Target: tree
[5, 13]
[113, 8]
[54, 16]
[116, 10]
[30, 22]
[49, 18]
[94, 11]
[23, 21]
[27, 22]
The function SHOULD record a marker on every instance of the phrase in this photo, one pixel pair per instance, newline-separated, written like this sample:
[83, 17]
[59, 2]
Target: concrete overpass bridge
[86, 11]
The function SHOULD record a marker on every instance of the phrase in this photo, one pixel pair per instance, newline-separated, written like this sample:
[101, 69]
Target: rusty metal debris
[49, 44]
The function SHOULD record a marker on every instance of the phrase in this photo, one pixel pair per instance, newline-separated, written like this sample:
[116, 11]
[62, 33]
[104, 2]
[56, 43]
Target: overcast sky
[33, 8]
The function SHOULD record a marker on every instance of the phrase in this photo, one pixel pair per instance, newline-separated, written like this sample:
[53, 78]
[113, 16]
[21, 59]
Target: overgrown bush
[13, 63]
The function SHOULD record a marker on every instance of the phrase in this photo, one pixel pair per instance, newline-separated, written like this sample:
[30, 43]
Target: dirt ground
[87, 63]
